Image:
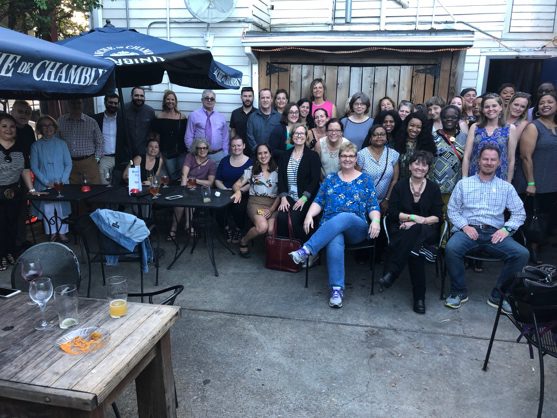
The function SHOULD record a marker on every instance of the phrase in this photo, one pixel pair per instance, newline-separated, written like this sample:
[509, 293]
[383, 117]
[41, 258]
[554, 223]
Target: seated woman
[262, 182]
[50, 163]
[150, 163]
[199, 169]
[328, 147]
[347, 199]
[230, 169]
[415, 210]
[299, 174]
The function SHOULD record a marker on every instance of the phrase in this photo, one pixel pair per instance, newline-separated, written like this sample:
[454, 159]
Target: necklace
[417, 193]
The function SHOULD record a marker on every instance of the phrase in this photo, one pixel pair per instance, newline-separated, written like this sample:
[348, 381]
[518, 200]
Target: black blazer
[123, 154]
[309, 173]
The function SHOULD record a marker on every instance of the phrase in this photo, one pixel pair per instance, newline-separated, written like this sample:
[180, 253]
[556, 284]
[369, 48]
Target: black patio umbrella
[142, 59]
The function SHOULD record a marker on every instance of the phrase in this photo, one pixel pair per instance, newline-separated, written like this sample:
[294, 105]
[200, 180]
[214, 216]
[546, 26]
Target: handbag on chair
[277, 249]
[535, 225]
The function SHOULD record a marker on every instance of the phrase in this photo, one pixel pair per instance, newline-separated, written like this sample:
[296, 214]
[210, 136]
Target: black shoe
[534, 258]
[419, 306]
[387, 280]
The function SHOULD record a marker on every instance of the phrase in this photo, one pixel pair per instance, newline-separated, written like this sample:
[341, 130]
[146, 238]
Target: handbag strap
[384, 168]
[290, 229]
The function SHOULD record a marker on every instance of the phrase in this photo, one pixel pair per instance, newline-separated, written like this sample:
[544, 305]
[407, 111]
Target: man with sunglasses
[209, 124]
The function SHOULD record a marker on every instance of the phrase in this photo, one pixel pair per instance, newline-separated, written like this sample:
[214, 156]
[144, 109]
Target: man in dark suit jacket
[116, 148]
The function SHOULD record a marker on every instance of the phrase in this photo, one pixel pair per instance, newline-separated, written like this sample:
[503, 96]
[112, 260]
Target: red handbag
[277, 249]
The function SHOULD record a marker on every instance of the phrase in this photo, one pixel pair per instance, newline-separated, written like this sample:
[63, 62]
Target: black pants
[297, 217]
[9, 211]
[402, 242]
[235, 211]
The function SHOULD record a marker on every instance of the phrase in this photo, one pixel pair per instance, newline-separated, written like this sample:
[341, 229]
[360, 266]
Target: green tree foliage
[48, 19]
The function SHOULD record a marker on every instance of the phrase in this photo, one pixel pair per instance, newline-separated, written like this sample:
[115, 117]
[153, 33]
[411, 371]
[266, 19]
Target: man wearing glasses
[209, 124]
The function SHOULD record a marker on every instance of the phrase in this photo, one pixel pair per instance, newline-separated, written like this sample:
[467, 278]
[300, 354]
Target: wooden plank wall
[399, 80]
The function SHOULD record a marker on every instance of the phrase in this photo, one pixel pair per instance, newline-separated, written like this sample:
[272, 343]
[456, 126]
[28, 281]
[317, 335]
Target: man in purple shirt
[209, 124]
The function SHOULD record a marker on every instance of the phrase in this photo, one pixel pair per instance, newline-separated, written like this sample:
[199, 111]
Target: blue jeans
[332, 234]
[514, 255]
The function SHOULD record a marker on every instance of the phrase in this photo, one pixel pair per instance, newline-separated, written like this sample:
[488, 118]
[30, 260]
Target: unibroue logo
[128, 55]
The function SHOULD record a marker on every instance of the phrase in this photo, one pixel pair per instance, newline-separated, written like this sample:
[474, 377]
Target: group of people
[468, 159]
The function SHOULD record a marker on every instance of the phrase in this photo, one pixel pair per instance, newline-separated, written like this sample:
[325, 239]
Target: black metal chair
[534, 314]
[59, 263]
[368, 244]
[98, 246]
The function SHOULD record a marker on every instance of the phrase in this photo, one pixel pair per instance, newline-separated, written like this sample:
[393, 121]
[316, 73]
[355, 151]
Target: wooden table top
[33, 369]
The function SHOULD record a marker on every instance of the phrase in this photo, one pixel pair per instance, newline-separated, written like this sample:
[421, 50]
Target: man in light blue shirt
[476, 211]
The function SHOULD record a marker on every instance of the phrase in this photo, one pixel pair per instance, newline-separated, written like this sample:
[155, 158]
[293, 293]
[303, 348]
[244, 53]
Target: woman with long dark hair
[413, 135]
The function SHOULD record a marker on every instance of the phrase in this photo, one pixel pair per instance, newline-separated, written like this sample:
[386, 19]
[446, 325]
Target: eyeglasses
[334, 131]
[347, 157]
[293, 112]
[209, 99]
[379, 134]
[201, 148]
[299, 134]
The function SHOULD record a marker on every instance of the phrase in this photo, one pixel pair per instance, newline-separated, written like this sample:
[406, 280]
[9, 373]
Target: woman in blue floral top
[347, 199]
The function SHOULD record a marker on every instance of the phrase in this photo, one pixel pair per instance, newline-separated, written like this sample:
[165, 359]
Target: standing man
[138, 121]
[116, 153]
[476, 210]
[209, 124]
[25, 135]
[85, 142]
[262, 122]
[239, 117]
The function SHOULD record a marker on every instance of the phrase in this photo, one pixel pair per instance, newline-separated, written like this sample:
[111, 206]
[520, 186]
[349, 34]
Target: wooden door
[414, 80]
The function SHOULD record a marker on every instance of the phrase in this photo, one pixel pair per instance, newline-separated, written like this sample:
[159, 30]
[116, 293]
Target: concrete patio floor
[255, 343]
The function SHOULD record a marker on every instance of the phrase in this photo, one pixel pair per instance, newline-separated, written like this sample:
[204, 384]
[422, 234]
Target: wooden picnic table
[38, 379]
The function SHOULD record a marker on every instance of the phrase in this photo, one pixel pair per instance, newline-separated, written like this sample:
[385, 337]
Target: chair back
[160, 297]
[59, 263]
[95, 241]
[530, 293]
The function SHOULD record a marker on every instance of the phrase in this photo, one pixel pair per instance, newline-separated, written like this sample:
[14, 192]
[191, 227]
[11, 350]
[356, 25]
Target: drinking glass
[191, 184]
[154, 187]
[31, 269]
[117, 296]
[40, 292]
[206, 194]
[165, 181]
[108, 177]
[58, 186]
[66, 300]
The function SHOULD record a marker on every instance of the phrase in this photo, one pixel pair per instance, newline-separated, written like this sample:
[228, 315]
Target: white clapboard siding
[525, 12]
[300, 13]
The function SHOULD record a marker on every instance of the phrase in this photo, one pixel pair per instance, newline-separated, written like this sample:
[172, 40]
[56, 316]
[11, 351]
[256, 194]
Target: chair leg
[542, 371]
[90, 278]
[372, 267]
[495, 324]
[102, 270]
[443, 278]
[307, 275]
[115, 409]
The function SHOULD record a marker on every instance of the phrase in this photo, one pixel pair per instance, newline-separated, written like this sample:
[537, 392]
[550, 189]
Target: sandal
[171, 236]
[11, 259]
[228, 234]
[236, 236]
[3, 264]
[244, 250]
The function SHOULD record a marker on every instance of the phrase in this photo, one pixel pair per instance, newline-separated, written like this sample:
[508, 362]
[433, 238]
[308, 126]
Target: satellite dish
[210, 11]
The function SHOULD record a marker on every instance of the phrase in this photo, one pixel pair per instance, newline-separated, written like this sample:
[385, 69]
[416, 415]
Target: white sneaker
[299, 256]
[335, 301]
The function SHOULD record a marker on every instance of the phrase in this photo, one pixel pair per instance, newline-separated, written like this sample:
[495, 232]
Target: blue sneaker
[299, 256]
[493, 301]
[335, 301]
[455, 301]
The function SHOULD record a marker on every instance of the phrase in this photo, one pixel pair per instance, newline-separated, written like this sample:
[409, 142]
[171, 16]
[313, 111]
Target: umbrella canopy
[31, 68]
[142, 59]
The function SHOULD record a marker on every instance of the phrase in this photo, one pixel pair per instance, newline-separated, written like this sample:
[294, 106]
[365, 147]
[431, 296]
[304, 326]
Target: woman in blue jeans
[347, 199]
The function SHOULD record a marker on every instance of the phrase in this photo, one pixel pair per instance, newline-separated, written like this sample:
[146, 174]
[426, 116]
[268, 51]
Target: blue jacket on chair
[126, 230]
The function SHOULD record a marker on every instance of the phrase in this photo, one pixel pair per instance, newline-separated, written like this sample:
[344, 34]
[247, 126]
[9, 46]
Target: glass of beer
[117, 296]
[191, 184]
[154, 187]
[58, 185]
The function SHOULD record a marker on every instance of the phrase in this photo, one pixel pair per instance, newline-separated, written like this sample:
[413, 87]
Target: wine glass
[58, 185]
[108, 177]
[154, 187]
[40, 292]
[31, 269]
[165, 181]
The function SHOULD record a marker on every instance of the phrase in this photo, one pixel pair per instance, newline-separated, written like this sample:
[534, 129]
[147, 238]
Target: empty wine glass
[31, 269]
[108, 177]
[40, 292]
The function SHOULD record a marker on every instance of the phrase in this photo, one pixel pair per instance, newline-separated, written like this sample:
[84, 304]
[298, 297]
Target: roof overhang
[387, 39]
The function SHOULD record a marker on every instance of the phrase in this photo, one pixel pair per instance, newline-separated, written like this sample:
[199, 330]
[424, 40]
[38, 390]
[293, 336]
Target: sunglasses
[201, 148]
[209, 99]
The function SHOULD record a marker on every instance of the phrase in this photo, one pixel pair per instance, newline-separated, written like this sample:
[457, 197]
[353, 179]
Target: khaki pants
[89, 167]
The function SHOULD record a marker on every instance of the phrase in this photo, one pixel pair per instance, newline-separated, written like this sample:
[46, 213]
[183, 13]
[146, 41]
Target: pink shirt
[328, 106]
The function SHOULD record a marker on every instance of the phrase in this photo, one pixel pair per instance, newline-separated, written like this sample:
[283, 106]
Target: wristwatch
[509, 230]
